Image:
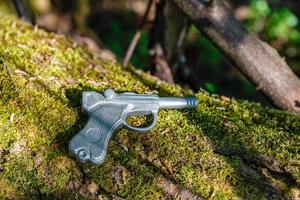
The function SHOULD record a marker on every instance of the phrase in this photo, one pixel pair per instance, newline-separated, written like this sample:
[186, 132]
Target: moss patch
[225, 149]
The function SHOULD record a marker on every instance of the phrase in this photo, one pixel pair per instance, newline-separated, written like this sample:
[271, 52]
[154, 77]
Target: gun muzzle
[177, 102]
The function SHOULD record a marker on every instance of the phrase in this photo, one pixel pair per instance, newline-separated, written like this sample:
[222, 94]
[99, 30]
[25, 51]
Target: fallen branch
[258, 60]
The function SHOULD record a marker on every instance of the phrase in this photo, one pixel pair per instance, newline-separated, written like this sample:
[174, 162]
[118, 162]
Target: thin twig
[132, 47]
[137, 35]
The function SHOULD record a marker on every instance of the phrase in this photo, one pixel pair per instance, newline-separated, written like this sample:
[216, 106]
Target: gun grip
[91, 143]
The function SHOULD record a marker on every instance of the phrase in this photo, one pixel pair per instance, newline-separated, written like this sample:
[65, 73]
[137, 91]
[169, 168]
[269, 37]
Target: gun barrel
[178, 102]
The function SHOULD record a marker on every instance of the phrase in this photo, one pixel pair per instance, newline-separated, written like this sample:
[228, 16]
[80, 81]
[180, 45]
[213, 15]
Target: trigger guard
[142, 129]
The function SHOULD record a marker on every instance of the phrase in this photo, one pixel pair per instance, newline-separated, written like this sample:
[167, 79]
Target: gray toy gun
[108, 112]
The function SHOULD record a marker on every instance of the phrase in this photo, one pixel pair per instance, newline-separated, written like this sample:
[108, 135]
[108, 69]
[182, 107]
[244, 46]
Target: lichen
[225, 149]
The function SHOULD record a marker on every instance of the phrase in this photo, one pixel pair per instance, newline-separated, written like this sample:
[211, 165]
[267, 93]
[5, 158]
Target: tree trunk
[169, 33]
[224, 149]
[258, 60]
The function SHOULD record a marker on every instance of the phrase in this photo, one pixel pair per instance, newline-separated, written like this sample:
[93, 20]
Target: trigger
[143, 129]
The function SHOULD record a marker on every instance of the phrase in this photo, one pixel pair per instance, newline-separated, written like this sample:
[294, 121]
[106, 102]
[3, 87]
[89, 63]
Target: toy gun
[108, 112]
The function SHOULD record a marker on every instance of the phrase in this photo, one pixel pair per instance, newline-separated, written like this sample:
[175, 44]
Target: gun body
[108, 112]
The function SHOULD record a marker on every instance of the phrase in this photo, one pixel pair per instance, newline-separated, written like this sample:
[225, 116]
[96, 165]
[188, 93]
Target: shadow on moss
[74, 96]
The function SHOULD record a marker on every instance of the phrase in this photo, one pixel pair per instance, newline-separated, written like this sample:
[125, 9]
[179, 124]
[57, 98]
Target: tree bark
[258, 60]
[169, 32]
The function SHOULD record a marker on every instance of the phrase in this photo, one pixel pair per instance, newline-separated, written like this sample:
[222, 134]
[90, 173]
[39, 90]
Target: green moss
[225, 149]
[7, 191]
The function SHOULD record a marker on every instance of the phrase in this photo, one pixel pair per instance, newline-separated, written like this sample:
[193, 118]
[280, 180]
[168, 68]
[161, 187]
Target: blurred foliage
[116, 31]
[279, 26]
[118, 42]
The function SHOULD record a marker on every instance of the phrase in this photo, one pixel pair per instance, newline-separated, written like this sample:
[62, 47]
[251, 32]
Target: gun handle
[91, 143]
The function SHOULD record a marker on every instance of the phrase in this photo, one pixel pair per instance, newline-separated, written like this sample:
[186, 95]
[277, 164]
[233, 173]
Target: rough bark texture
[259, 61]
[225, 149]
